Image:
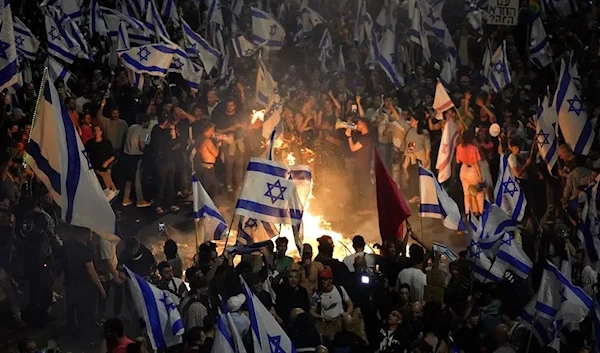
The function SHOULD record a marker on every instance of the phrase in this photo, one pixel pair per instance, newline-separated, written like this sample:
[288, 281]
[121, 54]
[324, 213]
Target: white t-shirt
[369, 258]
[80, 102]
[332, 303]
[513, 162]
[135, 134]
[108, 252]
[416, 279]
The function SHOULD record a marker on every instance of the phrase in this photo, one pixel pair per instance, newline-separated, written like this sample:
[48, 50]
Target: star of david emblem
[169, 305]
[143, 53]
[575, 105]
[510, 187]
[271, 187]
[544, 138]
[53, 35]
[275, 344]
[272, 30]
[87, 159]
[474, 250]
[3, 47]
[507, 240]
[432, 16]
[177, 63]
[394, 58]
[250, 223]
[499, 67]
[19, 41]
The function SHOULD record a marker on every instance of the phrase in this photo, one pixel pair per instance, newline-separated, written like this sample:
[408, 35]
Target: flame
[257, 115]
[290, 159]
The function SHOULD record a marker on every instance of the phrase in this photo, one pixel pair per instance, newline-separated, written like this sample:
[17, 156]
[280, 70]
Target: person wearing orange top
[468, 155]
[116, 341]
[73, 114]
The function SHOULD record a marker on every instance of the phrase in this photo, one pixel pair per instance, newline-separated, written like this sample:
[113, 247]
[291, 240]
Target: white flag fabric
[442, 100]
[436, 203]
[243, 47]
[266, 87]
[448, 70]
[588, 227]
[545, 135]
[509, 195]
[272, 117]
[341, 65]
[57, 72]
[557, 303]
[269, 194]
[136, 29]
[227, 337]
[487, 69]
[475, 16]
[59, 43]
[500, 72]
[361, 13]
[563, 7]
[573, 121]
[191, 73]
[198, 46]
[123, 42]
[97, 24]
[326, 45]
[204, 207]
[309, 20]
[435, 26]
[268, 336]
[162, 320]
[155, 24]
[214, 13]
[68, 9]
[448, 145]
[151, 59]
[491, 226]
[26, 42]
[237, 6]
[266, 30]
[74, 32]
[417, 34]
[388, 58]
[512, 256]
[9, 71]
[446, 251]
[56, 155]
[484, 269]
[169, 10]
[539, 48]
[373, 40]
[251, 230]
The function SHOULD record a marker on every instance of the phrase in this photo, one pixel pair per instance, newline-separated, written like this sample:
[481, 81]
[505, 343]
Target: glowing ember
[290, 159]
[258, 115]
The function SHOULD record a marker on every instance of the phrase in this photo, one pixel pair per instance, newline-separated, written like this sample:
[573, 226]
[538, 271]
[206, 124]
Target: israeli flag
[484, 270]
[588, 226]
[268, 336]
[26, 42]
[475, 17]
[251, 230]
[57, 72]
[448, 70]
[436, 203]
[512, 256]
[227, 338]
[417, 34]
[151, 59]
[77, 37]
[59, 43]
[69, 9]
[237, 6]
[266, 30]
[545, 137]
[204, 207]
[369, 28]
[361, 14]
[139, 7]
[539, 48]
[226, 71]
[509, 195]
[487, 68]
[57, 157]
[387, 15]
[243, 47]
[564, 8]
[157, 311]
[557, 303]
[492, 225]
[446, 251]
[190, 72]
[448, 145]
[307, 21]
[155, 23]
[266, 87]
[269, 193]
[500, 72]
[97, 24]
[214, 13]
[169, 10]
[199, 47]
[136, 80]
[573, 121]
[123, 42]
[341, 64]
[574, 71]
[116, 17]
[9, 70]
[434, 25]
[388, 58]
[326, 45]
[272, 119]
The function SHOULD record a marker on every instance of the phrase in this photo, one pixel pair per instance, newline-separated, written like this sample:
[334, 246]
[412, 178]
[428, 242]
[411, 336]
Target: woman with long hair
[417, 148]
[467, 154]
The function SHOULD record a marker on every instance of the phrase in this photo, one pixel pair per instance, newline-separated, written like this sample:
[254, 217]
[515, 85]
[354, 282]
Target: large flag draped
[508, 192]
[436, 203]
[160, 316]
[57, 157]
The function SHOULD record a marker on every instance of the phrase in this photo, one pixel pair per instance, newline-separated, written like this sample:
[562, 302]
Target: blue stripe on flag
[267, 42]
[545, 309]
[268, 210]
[152, 310]
[514, 262]
[584, 137]
[224, 332]
[65, 54]
[484, 273]
[252, 312]
[42, 163]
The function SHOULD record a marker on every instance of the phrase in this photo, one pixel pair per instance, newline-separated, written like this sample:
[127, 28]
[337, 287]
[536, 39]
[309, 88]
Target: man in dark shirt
[291, 295]
[231, 122]
[101, 154]
[82, 285]
[163, 143]
[137, 258]
[361, 146]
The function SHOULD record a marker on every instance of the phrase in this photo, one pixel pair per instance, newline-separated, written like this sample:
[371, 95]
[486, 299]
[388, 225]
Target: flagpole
[24, 164]
[228, 232]
[420, 201]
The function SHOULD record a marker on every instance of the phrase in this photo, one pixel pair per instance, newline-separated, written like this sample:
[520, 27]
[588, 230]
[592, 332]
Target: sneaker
[415, 199]
[126, 202]
[159, 210]
[143, 203]
[174, 209]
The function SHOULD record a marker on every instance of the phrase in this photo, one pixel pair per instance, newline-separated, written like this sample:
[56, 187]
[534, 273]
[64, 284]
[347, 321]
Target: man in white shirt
[414, 277]
[329, 304]
[174, 286]
[358, 243]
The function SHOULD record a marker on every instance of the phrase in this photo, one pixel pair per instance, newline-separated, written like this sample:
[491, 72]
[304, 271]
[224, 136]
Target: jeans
[235, 166]
[208, 178]
[165, 186]
[82, 300]
[139, 193]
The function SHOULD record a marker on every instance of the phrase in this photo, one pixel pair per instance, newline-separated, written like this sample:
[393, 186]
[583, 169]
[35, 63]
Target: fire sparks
[258, 115]
[290, 159]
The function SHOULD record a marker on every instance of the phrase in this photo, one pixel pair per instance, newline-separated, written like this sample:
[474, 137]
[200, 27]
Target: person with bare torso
[205, 158]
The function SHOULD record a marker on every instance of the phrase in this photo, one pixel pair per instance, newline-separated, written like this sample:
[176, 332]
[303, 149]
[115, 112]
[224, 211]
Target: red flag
[391, 207]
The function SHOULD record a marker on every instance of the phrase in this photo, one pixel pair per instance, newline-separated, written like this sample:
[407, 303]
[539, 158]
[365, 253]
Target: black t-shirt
[99, 152]
[224, 121]
[362, 157]
[77, 256]
[161, 144]
[142, 264]
[288, 299]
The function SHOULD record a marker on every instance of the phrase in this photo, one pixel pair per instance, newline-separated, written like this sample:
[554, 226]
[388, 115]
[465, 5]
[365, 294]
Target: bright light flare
[290, 159]
[258, 115]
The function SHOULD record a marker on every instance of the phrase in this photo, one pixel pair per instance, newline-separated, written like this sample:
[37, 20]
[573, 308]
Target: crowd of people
[145, 144]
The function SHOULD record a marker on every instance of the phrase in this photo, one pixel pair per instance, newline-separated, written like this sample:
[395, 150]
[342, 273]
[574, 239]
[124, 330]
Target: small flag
[442, 100]
[198, 46]
[151, 59]
[446, 251]
[204, 207]
[499, 73]
[545, 137]
[266, 30]
[27, 44]
[513, 257]
[588, 226]
[436, 203]
[251, 230]
[155, 23]
[539, 48]
[59, 44]
[97, 24]
[266, 87]
[388, 58]
[214, 13]
[418, 36]
[493, 223]
[341, 66]
[509, 195]
[191, 73]
[243, 47]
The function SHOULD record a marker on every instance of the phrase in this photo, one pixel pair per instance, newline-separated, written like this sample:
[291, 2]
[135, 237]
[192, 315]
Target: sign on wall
[503, 12]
